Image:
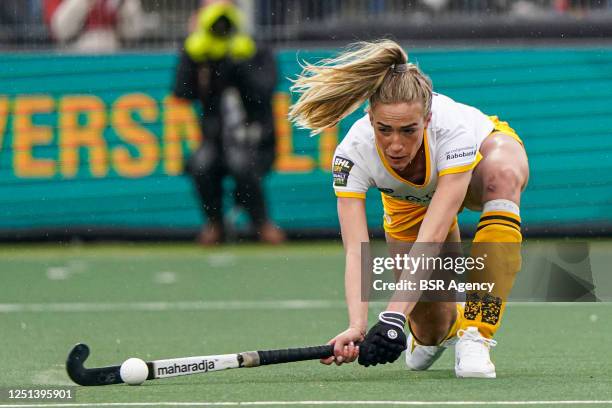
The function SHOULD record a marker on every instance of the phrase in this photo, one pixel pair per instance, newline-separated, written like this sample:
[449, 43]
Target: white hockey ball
[134, 371]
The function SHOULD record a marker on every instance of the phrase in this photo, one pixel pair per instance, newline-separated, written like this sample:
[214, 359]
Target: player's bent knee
[502, 181]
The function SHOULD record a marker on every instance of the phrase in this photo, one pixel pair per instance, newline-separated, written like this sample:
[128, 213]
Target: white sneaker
[420, 357]
[472, 358]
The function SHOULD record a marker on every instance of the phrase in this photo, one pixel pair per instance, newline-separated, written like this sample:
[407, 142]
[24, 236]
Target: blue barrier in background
[96, 142]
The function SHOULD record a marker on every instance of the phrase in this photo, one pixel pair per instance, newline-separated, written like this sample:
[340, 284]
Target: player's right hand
[346, 349]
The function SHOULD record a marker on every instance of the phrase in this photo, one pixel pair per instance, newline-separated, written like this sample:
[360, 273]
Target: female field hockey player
[429, 156]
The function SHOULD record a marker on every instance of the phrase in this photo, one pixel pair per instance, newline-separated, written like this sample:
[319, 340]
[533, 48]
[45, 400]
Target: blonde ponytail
[334, 88]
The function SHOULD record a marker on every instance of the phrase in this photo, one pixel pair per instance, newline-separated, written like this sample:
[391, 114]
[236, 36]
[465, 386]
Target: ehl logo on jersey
[341, 169]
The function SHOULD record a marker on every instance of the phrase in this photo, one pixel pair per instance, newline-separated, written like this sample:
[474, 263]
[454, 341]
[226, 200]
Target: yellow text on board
[82, 121]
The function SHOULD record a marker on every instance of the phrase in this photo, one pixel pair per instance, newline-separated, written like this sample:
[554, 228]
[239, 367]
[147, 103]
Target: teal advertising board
[97, 142]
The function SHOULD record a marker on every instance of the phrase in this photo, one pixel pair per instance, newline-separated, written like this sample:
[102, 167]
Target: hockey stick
[175, 367]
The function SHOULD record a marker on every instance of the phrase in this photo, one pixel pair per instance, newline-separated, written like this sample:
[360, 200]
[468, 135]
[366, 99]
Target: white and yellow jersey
[452, 140]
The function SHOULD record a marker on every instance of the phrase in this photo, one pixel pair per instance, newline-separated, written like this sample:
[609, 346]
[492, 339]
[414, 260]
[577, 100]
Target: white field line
[302, 403]
[294, 304]
[163, 306]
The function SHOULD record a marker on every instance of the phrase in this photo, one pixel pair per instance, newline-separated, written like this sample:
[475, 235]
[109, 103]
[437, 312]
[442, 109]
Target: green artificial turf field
[162, 301]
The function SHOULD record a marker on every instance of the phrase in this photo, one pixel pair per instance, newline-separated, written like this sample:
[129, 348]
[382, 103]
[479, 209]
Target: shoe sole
[475, 374]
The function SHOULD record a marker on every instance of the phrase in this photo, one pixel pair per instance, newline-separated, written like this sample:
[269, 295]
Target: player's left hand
[385, 341]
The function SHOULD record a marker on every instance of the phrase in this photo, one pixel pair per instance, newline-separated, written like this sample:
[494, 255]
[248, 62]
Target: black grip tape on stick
[295, 354]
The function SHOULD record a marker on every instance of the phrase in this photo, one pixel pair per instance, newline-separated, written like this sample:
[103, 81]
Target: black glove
[385, 341]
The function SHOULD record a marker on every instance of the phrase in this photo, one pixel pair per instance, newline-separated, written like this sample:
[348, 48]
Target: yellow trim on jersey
[350, 194]
[504, 127]
[400, 178]
[462, 169]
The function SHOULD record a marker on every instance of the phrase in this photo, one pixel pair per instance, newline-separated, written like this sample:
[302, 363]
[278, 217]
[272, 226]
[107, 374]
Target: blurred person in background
[95, 26]
[234, 79]
[20, 21]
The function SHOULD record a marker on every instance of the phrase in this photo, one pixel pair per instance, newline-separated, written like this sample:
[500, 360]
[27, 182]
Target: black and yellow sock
[498, 240]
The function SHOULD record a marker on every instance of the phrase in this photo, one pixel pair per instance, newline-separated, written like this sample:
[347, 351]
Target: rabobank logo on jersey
[461, 153]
